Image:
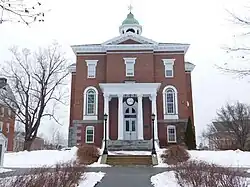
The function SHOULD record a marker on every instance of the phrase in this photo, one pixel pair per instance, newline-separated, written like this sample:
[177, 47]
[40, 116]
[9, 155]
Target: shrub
[199, 173]
[175, 154]
[63, 175]
[87, 154]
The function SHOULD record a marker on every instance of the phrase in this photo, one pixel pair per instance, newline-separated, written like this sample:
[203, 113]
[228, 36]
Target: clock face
[130, 101]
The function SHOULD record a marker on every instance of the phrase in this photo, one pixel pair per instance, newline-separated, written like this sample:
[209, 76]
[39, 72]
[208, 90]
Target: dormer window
[169, 67]
[91, 68]
[130, 63]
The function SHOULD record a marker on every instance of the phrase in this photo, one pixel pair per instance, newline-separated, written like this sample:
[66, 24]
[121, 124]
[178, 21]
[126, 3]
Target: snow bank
[27, 159]
[165, 179]
[91, 179]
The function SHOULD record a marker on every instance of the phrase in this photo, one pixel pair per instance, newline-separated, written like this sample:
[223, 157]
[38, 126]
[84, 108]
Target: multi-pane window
[170, 101]
[169, 67]
[91, 102]
[169, 72]
[91, 64]
[130, 69]
[130, 66]
[171, 133]
[89, 134]
[91, 71]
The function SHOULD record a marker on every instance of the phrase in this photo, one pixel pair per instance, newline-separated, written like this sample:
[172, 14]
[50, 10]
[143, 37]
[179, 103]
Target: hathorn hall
[130, 78]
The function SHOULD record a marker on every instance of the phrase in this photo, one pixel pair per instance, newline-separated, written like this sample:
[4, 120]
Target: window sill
[172, 142]
[171, 116]
[94, 117]
[89, 142]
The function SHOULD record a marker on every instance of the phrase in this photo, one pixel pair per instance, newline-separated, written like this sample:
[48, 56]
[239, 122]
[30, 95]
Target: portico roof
[130, 88]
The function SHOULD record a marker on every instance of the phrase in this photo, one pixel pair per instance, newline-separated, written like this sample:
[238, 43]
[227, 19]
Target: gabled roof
[129, 36]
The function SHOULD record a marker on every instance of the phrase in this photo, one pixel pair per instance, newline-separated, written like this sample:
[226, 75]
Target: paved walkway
[129, 176]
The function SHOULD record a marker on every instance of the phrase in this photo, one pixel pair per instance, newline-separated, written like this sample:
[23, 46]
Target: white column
[140, 118]
[154, 111]
[120, 117]
[106, 111]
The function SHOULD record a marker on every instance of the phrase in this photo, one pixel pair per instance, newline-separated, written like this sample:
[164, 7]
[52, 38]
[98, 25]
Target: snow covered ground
[91, 179]
[41, 158]
[165, 179]
[228, 158]
[25, 159]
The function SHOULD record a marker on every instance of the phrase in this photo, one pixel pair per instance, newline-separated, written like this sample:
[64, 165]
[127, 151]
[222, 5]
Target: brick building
[7, 115]
[130, 77]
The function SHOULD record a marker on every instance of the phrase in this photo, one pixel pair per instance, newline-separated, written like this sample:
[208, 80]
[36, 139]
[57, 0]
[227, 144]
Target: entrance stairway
[129, 145]
[126, 160]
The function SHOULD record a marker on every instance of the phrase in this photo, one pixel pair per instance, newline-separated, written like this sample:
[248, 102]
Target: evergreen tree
[190, 136]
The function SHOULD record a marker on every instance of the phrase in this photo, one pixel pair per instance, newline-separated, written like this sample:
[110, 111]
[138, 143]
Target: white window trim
[92, 128]
[1, 126]
[91, 63]
[170, 127]
[169, 65]
[9, 112]
[85, 116]
[170, 116]
[132, 61]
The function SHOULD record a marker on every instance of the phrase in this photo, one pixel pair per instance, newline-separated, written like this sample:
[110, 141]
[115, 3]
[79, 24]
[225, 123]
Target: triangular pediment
[130, 41]
[129, 38]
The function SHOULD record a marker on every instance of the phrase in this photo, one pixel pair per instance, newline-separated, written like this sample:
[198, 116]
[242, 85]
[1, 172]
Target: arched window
[170, 105]
[91, 100]
[90, 134]
[170, 101]
[90, 103]
[171, 133]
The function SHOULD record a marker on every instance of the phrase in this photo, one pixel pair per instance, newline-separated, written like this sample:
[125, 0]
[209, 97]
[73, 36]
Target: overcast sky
[203, 24]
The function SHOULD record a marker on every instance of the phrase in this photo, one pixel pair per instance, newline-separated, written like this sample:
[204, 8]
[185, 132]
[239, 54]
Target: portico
[130, 107]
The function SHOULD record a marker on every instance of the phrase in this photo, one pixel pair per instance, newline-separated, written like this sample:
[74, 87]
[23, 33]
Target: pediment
[129, 38]
[130, 41]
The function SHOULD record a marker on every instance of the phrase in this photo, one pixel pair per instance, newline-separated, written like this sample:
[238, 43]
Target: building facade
[130, 77]
[7, 116]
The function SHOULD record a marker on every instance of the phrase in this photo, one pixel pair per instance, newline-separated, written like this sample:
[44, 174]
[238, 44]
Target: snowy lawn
[41, 158]
[26, 159]
[228, 158]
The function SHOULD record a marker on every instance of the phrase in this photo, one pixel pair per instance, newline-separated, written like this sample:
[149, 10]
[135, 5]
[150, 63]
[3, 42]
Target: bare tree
[21, 11]
[233, 123]
[241, 49]
[37, 80]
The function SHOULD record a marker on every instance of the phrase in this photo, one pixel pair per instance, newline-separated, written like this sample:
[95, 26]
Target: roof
[130, 20]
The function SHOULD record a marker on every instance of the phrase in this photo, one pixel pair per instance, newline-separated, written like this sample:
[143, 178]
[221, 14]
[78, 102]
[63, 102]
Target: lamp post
[105, 151]
[153, 138]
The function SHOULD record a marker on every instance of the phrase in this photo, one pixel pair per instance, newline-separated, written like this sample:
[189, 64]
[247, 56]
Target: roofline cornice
[123, 47]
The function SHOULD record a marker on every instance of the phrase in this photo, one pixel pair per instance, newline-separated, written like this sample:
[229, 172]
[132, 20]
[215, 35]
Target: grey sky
[203, 24]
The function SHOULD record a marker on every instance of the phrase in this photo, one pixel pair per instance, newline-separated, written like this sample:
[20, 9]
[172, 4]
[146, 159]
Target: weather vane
[130, 7]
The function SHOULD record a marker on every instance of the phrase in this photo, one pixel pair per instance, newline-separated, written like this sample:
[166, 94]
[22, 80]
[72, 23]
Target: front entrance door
[130, 129]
